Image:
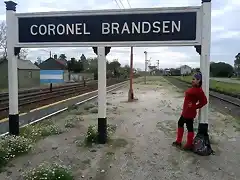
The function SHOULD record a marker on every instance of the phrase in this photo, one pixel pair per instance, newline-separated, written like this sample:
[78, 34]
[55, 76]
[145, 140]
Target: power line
[117, 4]
[121, 4]
[129, 3]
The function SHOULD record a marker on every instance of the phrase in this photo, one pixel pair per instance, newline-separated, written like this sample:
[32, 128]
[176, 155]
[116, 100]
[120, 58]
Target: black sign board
[174, 26]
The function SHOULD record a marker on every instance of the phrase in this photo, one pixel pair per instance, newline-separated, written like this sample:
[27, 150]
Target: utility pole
[146, 61]
[158, 64]
[50, 52]
[130, 93]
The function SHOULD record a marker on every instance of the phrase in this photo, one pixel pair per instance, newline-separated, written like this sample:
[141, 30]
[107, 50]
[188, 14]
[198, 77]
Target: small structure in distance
[185, 70]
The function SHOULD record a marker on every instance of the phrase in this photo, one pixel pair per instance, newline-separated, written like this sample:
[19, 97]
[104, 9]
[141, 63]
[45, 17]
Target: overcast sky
[225, 31]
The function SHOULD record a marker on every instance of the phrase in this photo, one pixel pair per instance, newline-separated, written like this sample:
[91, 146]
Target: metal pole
[145, 77]
[130, 93]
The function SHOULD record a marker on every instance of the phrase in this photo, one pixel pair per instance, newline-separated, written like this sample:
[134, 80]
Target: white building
[185, 70]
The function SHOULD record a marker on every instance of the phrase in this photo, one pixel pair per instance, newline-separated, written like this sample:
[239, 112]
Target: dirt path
[141, 147]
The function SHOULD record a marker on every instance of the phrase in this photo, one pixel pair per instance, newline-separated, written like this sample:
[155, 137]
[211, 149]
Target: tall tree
[62, 56]
[221, 69]
[92, 65]
[3, 42]
[84, 62]
[237, 64]
[39, 60]
[23, 54]
[75, 66]
[114, 67]
[3, 38]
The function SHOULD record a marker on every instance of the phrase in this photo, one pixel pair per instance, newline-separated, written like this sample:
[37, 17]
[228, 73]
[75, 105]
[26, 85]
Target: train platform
[49, 110]
[142, 142]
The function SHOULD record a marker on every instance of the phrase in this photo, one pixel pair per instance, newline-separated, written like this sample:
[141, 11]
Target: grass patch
[75, 109]
[72, 122]
[92, 134]
[94, 110]
[88, 106]
[222, 87]
[77, 112]
[237, 126]
[150, 80]
[40, 130]
[49, 172]
[13, 146]
[118, 143]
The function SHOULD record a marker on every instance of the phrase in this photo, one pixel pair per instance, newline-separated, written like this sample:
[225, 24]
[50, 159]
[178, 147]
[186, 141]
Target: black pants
[188, 122]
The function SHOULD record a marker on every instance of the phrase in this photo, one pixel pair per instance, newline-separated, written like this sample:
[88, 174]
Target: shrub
[37, 131]
[92, 133]
[70, 123]
[50, 130]
[12, 146]
[3, 156]
[49, 172]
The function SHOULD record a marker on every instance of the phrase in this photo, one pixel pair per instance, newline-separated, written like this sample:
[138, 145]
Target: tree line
[90, 65]
[222, 69]
[217, 69]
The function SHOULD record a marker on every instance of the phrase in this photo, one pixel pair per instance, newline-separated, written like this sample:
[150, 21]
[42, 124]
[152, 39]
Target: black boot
[176, 144]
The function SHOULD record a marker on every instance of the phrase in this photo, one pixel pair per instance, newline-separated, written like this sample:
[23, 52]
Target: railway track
[37, 97]
[223, 103]
[223, 97]
[36, 116]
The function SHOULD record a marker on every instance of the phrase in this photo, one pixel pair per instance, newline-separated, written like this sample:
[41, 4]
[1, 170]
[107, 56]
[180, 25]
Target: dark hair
[200, 83]
[198, 76]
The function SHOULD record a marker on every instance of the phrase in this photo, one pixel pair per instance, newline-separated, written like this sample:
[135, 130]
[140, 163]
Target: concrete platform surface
[145, 130]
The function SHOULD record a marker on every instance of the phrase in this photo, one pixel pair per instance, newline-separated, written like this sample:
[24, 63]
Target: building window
[30, 74]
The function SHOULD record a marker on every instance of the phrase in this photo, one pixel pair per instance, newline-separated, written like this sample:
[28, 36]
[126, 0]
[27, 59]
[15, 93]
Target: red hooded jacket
[194, 99]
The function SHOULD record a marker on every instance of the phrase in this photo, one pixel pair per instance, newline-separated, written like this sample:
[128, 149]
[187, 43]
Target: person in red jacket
[194, 99]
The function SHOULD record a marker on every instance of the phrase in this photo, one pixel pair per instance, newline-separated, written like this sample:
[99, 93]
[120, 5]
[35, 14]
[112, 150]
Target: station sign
[106, 28]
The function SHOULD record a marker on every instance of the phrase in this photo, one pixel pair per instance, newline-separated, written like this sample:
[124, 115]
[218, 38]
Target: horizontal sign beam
[151, 27]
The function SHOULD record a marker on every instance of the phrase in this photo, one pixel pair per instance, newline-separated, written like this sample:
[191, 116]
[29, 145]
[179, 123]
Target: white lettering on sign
[42, 29]
[60, 29]
[141, 27]
[31, 30]
[144, 27]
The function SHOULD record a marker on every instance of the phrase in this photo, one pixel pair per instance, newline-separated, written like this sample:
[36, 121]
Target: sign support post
[202, 135]
[130, 93]
[12, 68]
[102, 92]
[145, 76]
[205, 59]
